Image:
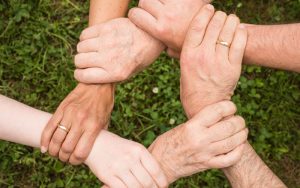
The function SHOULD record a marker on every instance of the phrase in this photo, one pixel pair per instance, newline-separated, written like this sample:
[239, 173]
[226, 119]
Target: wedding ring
[63, 128]
[223, 43]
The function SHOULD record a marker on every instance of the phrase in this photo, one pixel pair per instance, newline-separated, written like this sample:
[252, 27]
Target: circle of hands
[114, 51]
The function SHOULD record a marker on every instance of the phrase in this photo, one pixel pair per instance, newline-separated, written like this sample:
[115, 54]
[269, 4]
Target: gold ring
[63, 128]
[223, 43]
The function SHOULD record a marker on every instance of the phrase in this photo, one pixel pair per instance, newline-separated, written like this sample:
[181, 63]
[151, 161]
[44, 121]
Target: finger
[214, 29]
[129, 180]
[143, 176]
[154, 169]
[173, 53]
[238, 45]
[89, 45]
[83, 147]
[153, 7]
[143, 20]
[50, 129]
[227, 35]
[226, 128]
[115, 182]
[60, 134]
[198, 27]
[212, 114]
[94, 32]
[93, 76]
[88, 60]
[70, 142]
[227, 160]
[229, 144]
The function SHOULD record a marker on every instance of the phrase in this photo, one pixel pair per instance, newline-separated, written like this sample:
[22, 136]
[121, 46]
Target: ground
[37, 45]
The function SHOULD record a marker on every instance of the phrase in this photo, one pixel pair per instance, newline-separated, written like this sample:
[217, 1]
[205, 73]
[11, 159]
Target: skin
[274, 46]
[87, 109]
[119, 42]
[117, 161]
[158, 14]
[250, 171]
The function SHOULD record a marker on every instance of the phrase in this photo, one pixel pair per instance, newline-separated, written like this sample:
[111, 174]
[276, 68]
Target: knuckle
[80, 155]
[162, 30]
[241, 121]
[81, 114]
[229, 127]
[66, 149]
[56, 140]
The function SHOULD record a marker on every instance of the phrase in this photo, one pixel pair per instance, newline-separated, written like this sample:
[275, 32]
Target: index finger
[198, 27]
[212, 114]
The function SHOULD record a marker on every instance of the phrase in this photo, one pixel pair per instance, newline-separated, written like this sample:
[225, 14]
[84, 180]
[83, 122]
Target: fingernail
[210, 7]
[242, 26]
[43, 149]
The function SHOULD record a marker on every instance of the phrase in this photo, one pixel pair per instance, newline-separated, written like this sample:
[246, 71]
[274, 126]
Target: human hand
[121, 163]
[166, 20]
[84, 112]
[204, 142]
[114, 51]
[210, 71]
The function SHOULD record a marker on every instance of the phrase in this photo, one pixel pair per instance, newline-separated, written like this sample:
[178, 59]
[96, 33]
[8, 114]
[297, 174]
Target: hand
[84, 112]
[120, 163]
[204, 142]
[210, 71]
[114, 51]
[166, 20]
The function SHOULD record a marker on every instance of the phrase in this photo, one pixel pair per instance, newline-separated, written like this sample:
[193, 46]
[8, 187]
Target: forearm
[251, 171]
[102, 11]
[275, 46]
[20, 123]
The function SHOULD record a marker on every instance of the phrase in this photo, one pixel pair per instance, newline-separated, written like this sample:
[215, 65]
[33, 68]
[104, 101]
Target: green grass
[37, 44]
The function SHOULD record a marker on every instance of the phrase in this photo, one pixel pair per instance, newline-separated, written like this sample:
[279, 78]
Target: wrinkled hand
[166, 20]
[120, 163]
[204, 142]
[210, 71]
[85, 112]
[114, 51]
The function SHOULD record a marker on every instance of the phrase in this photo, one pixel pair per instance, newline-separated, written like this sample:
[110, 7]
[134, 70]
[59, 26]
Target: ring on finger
[64, 128]
[223, 43]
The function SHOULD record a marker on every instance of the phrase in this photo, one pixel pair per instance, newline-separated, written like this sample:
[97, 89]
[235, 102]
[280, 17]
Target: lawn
[37, 44]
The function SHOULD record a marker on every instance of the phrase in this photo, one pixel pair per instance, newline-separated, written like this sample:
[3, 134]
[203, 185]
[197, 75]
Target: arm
[271, 46]
[250, 171]
[275, 46]
[86, 110]
[121, 156]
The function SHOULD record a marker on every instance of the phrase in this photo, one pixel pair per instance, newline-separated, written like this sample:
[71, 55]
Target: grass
[37, 44]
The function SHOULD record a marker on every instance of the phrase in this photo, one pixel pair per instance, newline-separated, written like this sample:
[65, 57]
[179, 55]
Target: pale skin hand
[88, 107]
[167, 20]
[214, 69]
[250, 171]
[115, 161]
[114, 51]
[206, 141]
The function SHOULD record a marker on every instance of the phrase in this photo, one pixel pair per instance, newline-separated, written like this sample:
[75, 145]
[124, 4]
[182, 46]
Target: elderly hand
[120, 163]
[84, 112]
[114, 51]
[213, 138]
[210, 70]
[166, 20]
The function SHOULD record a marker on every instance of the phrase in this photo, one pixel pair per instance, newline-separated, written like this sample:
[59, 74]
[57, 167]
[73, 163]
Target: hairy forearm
[251, 171]
[275, 46]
